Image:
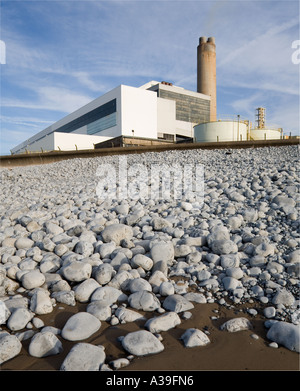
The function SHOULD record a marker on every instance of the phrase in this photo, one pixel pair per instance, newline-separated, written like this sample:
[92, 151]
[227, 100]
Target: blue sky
[61, 55]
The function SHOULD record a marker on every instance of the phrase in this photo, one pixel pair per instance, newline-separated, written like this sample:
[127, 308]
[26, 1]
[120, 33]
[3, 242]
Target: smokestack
[206, 72]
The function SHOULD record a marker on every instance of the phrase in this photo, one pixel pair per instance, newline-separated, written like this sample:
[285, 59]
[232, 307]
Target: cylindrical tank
[220, 131]
[265, 134]
[206, 72]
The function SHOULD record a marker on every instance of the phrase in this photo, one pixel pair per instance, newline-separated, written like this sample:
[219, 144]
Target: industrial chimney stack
[206, 72]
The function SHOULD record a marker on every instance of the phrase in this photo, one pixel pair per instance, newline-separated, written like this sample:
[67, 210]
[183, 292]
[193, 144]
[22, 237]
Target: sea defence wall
[51, 157]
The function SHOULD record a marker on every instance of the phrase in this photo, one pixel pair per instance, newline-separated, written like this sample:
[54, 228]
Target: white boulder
[84, 357]
[143, 300]
[104, 273]
[80, 326]
[24, 243]
[163, 322]
[126, 315]
[44, 344]
[19, 319]
[162, 251]
[142, 343]
[76, 271]
[100, 310]
[193, 337]
[236, 324]
[141, 260]
[40, 302]
[177, 303]
[108, 295]
[10, 346]
[33, 279]
[116, 233]
[286, 334]
[85, 289]
[4, 312]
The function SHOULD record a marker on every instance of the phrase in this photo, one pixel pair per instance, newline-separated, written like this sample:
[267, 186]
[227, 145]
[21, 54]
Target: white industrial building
[153, 111]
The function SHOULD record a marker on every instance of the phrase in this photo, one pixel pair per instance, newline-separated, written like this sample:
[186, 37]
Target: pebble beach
[91, 281]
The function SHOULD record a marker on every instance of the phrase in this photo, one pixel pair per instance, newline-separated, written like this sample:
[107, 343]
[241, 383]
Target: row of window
[103, 123]
[93, 116]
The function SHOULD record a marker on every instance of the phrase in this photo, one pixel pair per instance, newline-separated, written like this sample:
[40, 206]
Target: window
[102, 123]
[99, 113]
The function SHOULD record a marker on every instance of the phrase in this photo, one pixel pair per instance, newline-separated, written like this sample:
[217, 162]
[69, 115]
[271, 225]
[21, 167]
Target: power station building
[154, 111]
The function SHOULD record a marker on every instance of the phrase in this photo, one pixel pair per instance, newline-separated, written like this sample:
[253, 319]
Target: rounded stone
[44, 344]
[33, 279]
[269, 312]
[224, 247]
[141, 260]
[100, 310]
[162, 251]
[163, 322]
[193, 337]
[236, 324]
[106, 249]
[218, 233]
[116, 233]
[80, 326]
[234, 272]
[10, 347]
[156, 279]
[19, 319]
[85, 289]
[166, 288]
[126, 315]
[231, 283]
[84, 357]
[24, 243]
[77, 271]
[108, 295]
[4, 312]
[284, 297]
[139, 284]
[177, 303]
[84, 248]
[144, 300]
[40, 302]
[286, 334]
[104, 273]
[142, 343]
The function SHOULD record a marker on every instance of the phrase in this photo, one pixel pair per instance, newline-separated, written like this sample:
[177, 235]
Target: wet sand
[226, 352]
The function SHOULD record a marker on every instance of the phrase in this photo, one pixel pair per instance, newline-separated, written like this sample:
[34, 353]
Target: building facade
[154, 110]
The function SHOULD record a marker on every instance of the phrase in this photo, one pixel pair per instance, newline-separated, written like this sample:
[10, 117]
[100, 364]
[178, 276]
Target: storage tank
[266, 134]
[221, 131]
[261, 132]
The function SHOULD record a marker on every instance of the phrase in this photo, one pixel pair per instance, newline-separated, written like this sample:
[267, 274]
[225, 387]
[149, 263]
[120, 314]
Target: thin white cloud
[259, 42]
[51, 98]
[246, 104]
[24, 121]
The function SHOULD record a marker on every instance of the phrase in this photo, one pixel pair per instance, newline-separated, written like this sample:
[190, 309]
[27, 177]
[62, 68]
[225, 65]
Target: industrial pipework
[206, 72]
[261, 117]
